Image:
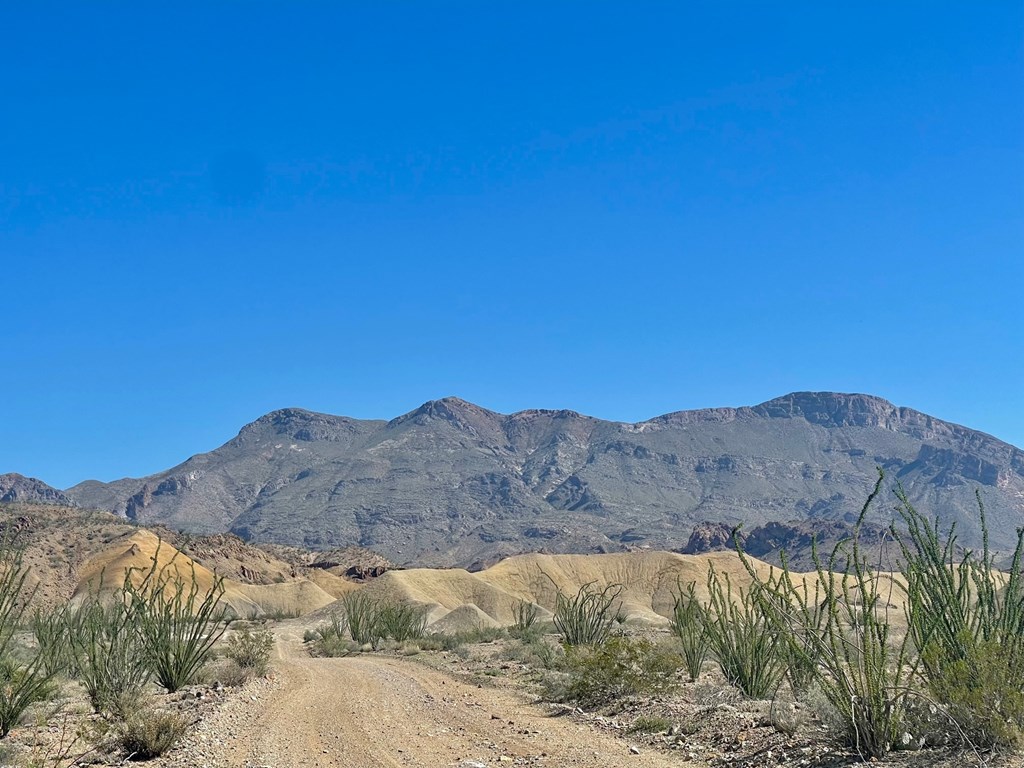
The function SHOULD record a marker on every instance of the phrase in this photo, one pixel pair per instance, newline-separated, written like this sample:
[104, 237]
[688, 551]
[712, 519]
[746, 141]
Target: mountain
[451, 483]
[28, 490]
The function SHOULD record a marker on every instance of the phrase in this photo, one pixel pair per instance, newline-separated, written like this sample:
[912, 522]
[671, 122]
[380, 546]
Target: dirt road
[373, 711]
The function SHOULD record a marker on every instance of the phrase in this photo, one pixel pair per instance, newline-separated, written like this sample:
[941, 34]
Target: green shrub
[251, 649]
[370, 620]
[967, 621]
[840, 632]
[982, 693]
[145, 735]
[620, 666]
[649, 725]
[688, 624]
[524, 617]
[535, 652]
[21, 686]
[361, 615]
[401, 622]
[179, 624]
[745, 644]
[110, 658]
[331, 639]
[51, 633]
[588, 617]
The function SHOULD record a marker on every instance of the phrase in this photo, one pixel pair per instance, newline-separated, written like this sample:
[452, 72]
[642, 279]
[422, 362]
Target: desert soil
[370, 711]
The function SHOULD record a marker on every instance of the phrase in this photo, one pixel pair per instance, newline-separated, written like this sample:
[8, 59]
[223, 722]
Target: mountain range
[452, 483]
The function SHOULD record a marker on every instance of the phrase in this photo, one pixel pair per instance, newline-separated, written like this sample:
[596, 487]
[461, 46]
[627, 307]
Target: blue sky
[211, 211]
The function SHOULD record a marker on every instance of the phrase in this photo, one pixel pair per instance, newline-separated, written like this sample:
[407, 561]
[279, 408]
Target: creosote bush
[251, 649]
[619, 666]
[587, 618]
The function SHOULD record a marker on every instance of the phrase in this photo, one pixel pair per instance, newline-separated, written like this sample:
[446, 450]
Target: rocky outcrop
[27, 490]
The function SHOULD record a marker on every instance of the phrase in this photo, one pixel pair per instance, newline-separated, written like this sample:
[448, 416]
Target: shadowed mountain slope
[451, 483]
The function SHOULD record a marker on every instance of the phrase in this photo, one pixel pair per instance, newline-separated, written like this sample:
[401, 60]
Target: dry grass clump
[149, 734]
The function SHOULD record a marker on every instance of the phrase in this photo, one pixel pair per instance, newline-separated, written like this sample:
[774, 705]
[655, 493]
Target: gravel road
[374, 711]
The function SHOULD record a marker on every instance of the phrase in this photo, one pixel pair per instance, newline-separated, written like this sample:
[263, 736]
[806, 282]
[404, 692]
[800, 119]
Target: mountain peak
[25, 490]
[834, 409]
[452, 409]
[300, 424]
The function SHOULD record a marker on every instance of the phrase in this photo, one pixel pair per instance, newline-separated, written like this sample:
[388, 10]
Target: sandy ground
[370, 711]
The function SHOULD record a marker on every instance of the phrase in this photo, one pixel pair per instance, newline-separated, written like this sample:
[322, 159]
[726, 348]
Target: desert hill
[456, 599]
[68, 552]
[74, 554]
[451, 483]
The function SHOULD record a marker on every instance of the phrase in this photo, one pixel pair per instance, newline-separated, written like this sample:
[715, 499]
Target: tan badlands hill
[65, 551]
[73, 552]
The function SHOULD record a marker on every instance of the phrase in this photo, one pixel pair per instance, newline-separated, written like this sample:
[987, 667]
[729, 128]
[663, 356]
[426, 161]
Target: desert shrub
[110, 659]
[229, 672]
[745, 644]
[251, 649]
[401, 622]
[967, 621]
[74, 743]
[653, 724]
[620, 666]
[840, 631]
[588, 617]
[145, 735]
[331, 639]
[370, 620]
[51, 632]
[982, 693]
[688, 624]
[21, 685]
[179, 623]
[453, 641]
[535, 652]
[524, 617]
[361, 615]
[481, 634]
[440, 641]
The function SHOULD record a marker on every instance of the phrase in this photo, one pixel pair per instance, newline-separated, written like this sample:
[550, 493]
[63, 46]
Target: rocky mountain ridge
[15, 488]
[451, 483]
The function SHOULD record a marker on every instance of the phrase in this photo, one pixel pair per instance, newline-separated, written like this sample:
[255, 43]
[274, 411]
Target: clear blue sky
[211, 211]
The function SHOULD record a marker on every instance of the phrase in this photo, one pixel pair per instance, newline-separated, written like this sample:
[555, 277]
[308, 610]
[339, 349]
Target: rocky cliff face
[28, 490]
[453, 483]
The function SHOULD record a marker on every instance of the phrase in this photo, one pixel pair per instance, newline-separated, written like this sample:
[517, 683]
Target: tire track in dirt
[381, 712]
